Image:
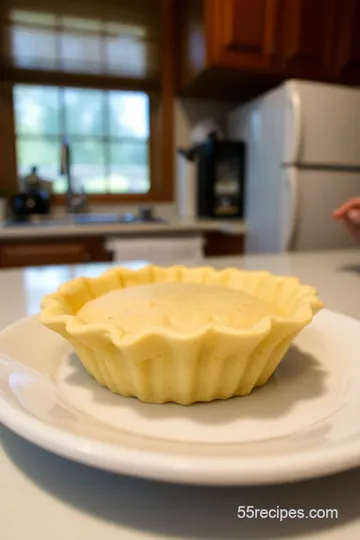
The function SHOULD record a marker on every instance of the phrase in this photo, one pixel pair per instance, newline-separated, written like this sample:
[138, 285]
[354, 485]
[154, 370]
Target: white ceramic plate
[303, 423]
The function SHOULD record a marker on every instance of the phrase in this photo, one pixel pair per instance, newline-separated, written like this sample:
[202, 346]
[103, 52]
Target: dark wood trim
[8, 169]
[168, 92]
[77, 80]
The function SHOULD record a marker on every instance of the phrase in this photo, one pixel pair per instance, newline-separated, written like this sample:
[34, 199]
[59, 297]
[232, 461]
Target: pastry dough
[180, 334]
[182, 307]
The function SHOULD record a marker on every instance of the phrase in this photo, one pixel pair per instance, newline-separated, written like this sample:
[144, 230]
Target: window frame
[161, 149]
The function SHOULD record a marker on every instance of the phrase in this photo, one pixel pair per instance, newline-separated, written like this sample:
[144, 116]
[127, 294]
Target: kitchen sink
[81, 219]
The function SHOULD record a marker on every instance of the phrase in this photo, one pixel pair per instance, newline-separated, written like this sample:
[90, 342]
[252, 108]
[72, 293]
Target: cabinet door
[219, 244]
[241, 33]
[43, 253]
[347, 50]
[308, 33]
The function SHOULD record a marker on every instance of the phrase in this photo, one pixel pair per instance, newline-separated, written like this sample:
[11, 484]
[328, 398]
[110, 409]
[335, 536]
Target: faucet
[74, 203]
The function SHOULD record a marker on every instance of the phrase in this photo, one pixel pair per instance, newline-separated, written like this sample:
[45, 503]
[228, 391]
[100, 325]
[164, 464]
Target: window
[107, 38]
[108, 133]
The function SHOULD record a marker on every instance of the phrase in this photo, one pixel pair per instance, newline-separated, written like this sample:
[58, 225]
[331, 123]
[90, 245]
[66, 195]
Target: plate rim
[178, 468]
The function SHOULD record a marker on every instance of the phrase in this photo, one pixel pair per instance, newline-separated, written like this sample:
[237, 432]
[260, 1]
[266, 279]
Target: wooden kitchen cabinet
[240, 48]
[347, 46]
[307, 38]
[52, 251]
[221, 41]
[218, 244]
[242, 33]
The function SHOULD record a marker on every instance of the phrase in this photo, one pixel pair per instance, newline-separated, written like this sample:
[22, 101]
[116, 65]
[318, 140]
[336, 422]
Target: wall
[190, 111]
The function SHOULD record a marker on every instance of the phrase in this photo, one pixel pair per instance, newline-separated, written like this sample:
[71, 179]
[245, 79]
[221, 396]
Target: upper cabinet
[347, 48]
[244, 45]
[308, 34]
[241, 33]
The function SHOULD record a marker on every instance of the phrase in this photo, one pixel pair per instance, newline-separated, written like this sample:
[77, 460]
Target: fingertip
[354, 216]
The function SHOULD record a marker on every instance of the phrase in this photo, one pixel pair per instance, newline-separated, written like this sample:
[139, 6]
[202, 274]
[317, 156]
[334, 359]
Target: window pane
[129, 170]
[80, 52]
[36, 110]
[60, 185]
[88, 166]
[43, 153]
[126, 56]
[84, 111]
[33, 47]
[108, 134]
[129, 114]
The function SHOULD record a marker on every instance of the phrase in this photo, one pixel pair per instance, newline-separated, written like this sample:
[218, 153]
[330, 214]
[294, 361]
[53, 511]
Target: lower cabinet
[56, 251]
[219, 244]
[19, 253]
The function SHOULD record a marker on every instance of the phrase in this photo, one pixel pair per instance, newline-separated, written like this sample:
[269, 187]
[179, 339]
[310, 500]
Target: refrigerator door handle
[293, 202]
[297, 125]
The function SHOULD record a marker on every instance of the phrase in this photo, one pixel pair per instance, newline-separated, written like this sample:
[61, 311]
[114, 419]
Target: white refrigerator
[303, 161]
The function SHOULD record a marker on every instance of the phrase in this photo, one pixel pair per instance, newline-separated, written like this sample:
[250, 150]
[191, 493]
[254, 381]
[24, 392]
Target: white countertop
[177, 226]
[45, 497]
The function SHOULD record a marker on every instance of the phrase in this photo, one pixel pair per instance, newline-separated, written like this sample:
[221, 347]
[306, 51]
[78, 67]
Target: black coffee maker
[34, 199]
[220, 177]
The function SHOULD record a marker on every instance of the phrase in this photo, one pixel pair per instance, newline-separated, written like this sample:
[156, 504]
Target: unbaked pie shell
[161, 365]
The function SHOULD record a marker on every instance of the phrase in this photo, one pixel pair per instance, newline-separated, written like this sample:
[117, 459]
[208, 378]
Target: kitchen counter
[231, 227]
[43, 496]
